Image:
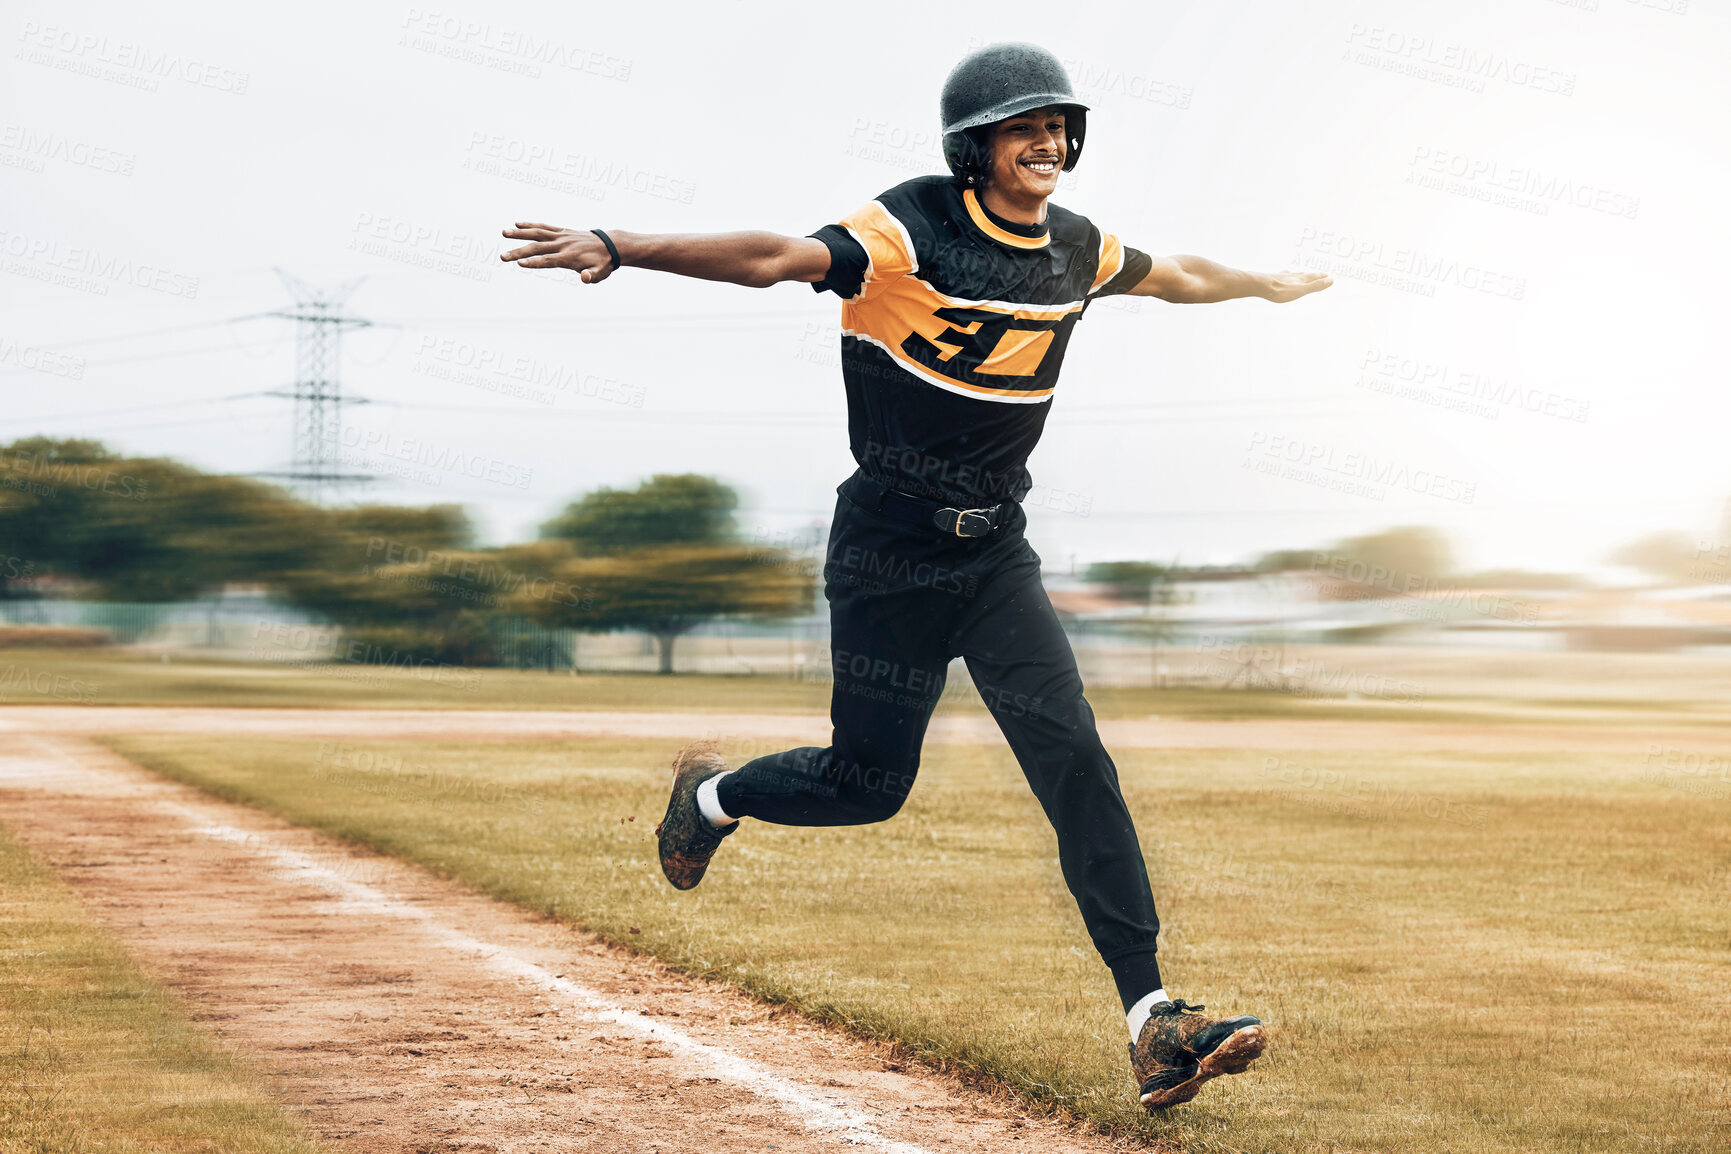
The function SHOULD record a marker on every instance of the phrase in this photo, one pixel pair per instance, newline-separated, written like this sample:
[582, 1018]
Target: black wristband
[612, 251]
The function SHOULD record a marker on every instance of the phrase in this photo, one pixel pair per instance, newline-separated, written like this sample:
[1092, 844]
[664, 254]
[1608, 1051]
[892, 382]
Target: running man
[959, 294]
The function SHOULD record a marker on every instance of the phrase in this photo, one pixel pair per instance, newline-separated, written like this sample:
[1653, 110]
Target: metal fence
[248, 627]
[212, 624]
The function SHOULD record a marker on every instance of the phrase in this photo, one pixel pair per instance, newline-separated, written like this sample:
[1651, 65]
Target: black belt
[922, 512]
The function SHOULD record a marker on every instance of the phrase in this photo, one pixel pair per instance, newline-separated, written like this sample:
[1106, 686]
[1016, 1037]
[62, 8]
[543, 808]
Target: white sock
[710, 805]
[1139, 1013]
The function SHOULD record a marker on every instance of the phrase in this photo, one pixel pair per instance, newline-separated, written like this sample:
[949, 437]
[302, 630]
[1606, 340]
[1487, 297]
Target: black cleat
[1179, 1049]
[686, 837]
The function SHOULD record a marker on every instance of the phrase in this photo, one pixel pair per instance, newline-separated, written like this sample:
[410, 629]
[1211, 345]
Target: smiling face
[1027, 154]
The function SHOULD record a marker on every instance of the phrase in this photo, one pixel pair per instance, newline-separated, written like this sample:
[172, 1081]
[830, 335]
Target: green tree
[1131, 580]
[144, 529]
[1288, 560]
[664, 510]
[666, 591]
[664, 558]
[430, 527]
[403, 580]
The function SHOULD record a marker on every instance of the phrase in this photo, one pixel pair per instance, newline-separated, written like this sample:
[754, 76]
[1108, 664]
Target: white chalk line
[812, 1110]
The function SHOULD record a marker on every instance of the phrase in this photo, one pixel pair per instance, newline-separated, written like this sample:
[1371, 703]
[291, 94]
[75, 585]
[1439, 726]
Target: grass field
[93, 1056]
[1461, 953]
[1480, 690]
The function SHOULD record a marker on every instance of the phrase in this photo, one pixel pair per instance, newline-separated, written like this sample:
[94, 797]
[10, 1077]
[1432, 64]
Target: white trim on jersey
[907, 238]
[1123, 256]
[917, 370]
[1054, 312]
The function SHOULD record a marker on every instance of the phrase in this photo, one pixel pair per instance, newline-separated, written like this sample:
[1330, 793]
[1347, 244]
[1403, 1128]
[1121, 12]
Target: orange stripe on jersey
[1011, 396]
[910, 303]
[886, 242]
[1018, 353]
[906, 307]
[909, 307]
[985, 225]
[1111, 260]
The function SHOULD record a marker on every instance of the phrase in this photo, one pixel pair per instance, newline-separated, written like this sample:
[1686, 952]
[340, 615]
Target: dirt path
[504, 725]
[400, 1013]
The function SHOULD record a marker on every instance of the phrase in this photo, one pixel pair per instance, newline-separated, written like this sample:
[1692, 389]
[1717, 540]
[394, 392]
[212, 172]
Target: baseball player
[959, 294]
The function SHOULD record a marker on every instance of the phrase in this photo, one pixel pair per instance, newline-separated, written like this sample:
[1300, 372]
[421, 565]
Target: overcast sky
[1522, 202]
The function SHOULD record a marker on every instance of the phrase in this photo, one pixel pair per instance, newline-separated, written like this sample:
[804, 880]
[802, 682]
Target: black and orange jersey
[954, 324]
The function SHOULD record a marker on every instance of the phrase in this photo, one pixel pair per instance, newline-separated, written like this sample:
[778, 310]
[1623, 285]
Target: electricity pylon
[316, 465]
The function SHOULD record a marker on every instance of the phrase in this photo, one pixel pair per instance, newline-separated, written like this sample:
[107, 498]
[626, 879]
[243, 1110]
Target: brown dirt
[504, 725]
[397, 1012]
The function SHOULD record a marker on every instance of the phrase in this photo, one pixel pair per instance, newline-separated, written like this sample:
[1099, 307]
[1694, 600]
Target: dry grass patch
[127, 677]
[94, 1056]
[1461, 953]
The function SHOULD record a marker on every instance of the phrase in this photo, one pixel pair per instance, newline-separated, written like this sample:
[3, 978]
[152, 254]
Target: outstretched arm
[753, 259]
[1194, 280]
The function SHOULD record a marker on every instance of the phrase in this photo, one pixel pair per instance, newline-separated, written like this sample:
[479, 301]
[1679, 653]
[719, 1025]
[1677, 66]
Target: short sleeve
[1121, 268]
[879, 250]
[848, 262]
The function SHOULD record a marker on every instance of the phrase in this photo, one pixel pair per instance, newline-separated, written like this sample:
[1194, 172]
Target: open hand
[552, 247]
[1288, 285]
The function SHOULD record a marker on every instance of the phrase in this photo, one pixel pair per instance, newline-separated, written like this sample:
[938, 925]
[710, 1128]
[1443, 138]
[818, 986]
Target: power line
[684, 417]
[158, 332]
[752, 416]
[226, 417]
[759, 416]
[1158, 419]
[1223, 402]
[138, 357]
[133, 409]
[616, 320]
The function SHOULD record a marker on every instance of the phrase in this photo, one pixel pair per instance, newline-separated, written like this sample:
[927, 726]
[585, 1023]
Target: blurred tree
[406, 581]
[403, 580]
[1289, 560]
[35, 510]
[1386, 561]
[664, 510]
[668, 590]
[1406, 553]
[144, 529]
[1668, 555]
[430, 527]
[1520, 579]
[664, 558]
[336, 573]
[1131, 580]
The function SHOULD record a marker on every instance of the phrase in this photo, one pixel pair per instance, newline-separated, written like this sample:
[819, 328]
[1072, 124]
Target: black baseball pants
[904, 601]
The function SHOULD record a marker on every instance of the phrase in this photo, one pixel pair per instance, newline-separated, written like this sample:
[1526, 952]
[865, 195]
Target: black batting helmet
[996, 83]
